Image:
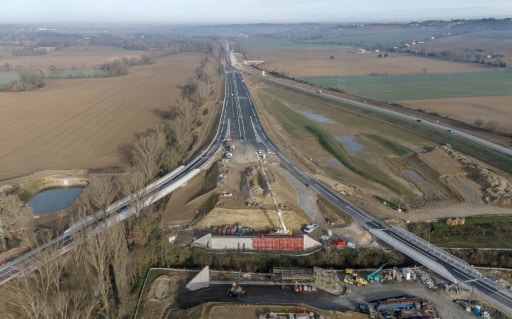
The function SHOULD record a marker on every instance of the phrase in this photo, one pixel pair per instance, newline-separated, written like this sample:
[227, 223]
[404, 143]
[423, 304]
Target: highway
[475, 139]
[240, 120]
[437, 260]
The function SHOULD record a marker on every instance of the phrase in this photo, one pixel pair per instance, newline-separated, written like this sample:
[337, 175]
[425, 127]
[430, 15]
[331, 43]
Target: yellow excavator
[360, 281]
[236, 290]
[348, 280]
[352, 277]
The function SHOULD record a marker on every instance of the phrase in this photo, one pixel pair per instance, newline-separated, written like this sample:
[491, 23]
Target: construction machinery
[350, 271]
[375, 275]
[236, 290]
[338, 242]
[360, 281]
[283, 230]
[348, 280]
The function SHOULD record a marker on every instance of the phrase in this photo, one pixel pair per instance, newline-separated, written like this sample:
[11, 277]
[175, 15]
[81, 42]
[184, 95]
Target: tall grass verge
[330, 144]
[394, 147]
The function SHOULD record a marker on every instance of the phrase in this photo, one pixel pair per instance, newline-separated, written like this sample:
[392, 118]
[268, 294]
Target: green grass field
[366, 36]
[393, 146]
[254, 43]
[421, 86]
[299, 126]
[477, 232]
[371, 35]
[66, 74]
[6, 77]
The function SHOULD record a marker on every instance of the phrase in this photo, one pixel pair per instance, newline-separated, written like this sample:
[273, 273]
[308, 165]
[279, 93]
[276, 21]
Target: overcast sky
[245, 11]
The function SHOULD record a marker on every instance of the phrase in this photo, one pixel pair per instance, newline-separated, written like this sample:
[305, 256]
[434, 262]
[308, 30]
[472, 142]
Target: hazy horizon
[158, 12]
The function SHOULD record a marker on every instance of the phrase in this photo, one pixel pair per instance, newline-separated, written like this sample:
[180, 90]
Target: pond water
[54, 199]
[350, 143]
[333, 161]
[316, 117]
[414, 176]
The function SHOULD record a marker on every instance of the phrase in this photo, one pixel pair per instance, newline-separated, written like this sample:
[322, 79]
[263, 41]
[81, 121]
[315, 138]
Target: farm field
[82, 123]
[469, 109]
[421, 86]
[316, 61]
[497, 41]
[461, 91]
[69, 58]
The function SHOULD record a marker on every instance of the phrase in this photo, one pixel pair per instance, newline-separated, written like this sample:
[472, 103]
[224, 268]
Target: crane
[283, 230]
[375, 276]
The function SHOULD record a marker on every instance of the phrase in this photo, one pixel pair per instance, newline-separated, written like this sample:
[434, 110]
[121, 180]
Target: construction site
[259, 208]
[313, 293]
[257, 199]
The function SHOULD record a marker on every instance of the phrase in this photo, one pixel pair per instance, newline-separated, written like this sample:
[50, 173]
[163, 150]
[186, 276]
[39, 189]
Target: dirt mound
[356, 234]
[344, 189]
[6, 188]
[161, 294]
[254, 218]
[255, 190]
[248, 311]
[497, 189]
[455, 221]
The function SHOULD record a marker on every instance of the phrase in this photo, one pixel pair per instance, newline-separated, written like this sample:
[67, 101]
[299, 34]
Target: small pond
[350, 143]
[333, 161]
[316, 117]
[414, 176]
[54, 199]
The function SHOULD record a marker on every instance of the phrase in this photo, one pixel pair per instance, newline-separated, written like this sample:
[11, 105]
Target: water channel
[316, 117]
[351, 143]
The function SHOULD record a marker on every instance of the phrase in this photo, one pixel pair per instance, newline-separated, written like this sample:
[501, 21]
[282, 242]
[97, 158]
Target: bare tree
[479, 122]
[38, 292]
[14, 215]
[133, 187]
[179, 127]
[101, 255]
[492, 125]
[100, 193]
[203, 88]
[179, 130]
[149, 150]
[121, 276]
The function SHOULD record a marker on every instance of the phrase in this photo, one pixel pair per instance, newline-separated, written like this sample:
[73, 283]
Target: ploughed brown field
[81, 123]
[488, 108]
[69, 58]
[459, 42]
[306, 61]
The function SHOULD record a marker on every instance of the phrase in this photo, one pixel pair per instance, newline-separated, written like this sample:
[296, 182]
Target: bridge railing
[451, 259]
